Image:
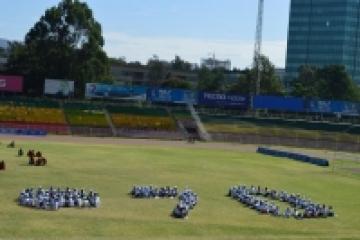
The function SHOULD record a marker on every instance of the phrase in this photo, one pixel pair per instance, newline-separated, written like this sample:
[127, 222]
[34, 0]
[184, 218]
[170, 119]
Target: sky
[192, 29]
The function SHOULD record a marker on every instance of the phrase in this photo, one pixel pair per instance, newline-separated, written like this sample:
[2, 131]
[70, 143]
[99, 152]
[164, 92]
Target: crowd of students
[56, 198]
[257, 198]
[154, 192]
[35, 159]
[187, 201]
[261, 200]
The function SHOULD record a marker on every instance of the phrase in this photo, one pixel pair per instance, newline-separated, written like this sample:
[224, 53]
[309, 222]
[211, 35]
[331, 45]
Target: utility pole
[258, 45]
[213, 60]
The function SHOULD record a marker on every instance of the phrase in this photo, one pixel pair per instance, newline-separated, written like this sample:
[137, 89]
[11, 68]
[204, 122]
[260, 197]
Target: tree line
[67, 43]
[329, 82]
[160, 74]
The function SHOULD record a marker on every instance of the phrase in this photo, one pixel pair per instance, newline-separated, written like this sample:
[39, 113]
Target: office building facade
[322, 33]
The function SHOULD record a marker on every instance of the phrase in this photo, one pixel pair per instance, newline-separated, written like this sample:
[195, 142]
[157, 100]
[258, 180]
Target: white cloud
[136, 48]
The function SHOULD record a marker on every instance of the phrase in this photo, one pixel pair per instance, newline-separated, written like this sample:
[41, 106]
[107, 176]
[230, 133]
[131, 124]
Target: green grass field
[113, 169]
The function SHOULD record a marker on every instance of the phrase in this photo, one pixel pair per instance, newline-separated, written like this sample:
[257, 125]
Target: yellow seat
[32, 115]
[143, 122]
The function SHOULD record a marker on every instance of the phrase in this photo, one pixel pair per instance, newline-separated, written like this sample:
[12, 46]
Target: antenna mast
[258, 45]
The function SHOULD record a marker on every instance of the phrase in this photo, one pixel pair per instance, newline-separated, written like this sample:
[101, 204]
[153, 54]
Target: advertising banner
[336, 107]
[178, 96]
[319, 106]
[11, 83]
[59, 87]
[276, 103]
[96, 90]
[223, 100]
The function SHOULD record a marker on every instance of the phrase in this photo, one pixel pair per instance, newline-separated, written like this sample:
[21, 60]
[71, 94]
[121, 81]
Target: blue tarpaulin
[294, 156]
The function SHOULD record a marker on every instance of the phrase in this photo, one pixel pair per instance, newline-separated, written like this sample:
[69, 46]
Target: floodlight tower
[258, 45]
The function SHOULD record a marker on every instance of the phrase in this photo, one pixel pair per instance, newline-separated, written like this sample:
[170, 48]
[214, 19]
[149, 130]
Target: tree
[17, 57]
[211, 80]
[307, 83]
[2, 52]
[180, 65]
[270, 83]
[157, 70]
[118, 61]
[330, 82]
[245, 84]
[134, 64]
[335, 83]
[175, 82]
[65, 43]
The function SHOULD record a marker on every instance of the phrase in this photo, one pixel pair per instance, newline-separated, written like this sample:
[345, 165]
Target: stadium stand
[31, 116]
[29, 102]
[319, 124]
[276, 131]
[152, 118]
[185, 121]
[212, 121]
[144, 122]
[87, 119]
[91, 118]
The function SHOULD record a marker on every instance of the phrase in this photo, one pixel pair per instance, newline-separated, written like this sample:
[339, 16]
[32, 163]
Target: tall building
[324, 32]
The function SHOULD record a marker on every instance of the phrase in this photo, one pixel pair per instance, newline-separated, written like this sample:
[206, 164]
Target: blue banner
[339, 107]
[178, 96]
[275, 103]
[95, 90]
[223, 100]
[21, 131]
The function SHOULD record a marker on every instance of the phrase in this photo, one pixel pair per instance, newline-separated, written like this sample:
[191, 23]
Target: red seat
[50, 128]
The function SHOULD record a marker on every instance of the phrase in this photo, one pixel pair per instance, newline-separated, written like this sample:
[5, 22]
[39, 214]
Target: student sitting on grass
[20, 152]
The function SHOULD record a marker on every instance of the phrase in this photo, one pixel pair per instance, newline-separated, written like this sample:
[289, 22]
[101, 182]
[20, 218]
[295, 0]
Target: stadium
[150, 148]
[96, 147]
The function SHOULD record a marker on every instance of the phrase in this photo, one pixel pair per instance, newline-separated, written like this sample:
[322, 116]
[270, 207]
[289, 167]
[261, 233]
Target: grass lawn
[113, 169]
